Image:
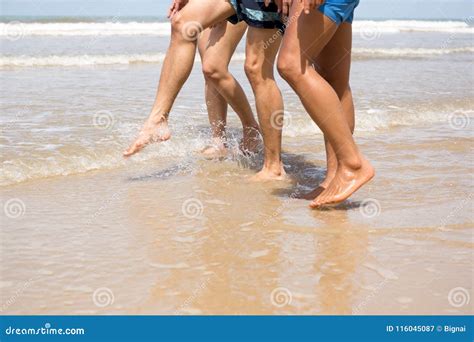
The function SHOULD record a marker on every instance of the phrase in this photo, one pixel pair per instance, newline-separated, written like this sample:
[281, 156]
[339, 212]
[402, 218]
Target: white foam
[79, 60]
[18, 29]
[409, 52]
[127, 59]
[397, 26]
[41, 164]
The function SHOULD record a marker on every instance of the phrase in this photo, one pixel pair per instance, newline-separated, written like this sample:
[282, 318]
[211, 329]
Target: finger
[307, 6]
[267, 2]
[279, 5]
[286, 8]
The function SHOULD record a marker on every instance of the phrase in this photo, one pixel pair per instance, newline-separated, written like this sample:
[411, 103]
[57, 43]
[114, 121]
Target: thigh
[203, 41]
[206, 12]
[222, 42]
[261, 49]
[306, 34]
[334, 61]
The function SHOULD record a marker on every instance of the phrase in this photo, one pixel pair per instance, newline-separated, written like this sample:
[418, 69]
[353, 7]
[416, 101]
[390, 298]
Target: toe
[133, 149]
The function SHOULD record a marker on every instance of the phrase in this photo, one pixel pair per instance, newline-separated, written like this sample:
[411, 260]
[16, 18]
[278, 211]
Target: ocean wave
[89, 60]
[79, 60]
[364, 27]
[408, 52]
[398, 26]
[79, 157]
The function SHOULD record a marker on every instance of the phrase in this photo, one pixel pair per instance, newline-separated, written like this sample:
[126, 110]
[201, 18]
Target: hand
[176, 6]
[283, 6]
[311, 4]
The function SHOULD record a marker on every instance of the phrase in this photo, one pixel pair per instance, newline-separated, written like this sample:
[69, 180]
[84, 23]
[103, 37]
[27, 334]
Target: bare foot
[321, 187]
[313, 194]
[345, 183]
[215, 151]
[151, 132]
[267, 174]
[251, 139]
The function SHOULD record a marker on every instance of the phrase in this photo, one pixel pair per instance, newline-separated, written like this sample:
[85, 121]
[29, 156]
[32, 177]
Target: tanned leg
[333, 64]
[186, 26]
[216, 107]
[305, 37]
[222, 43]
[259, 65]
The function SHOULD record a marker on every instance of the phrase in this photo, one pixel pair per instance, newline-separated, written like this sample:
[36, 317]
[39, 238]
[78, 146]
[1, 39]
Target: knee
[253, 71]
[213, 71]
[288, 68]
[177, 24]
[184, 29]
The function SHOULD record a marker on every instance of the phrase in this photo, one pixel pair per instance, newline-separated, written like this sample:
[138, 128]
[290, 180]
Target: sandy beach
[84, 231]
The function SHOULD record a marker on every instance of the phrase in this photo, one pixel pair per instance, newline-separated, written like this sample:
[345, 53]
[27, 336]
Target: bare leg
[334, 63]
[306, 36]
[186, 25]
[222, 43]
[259, 65]
[216, 107]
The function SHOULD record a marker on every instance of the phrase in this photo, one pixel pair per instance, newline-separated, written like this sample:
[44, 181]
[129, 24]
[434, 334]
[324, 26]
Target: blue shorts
[255, 14]
[339, 11]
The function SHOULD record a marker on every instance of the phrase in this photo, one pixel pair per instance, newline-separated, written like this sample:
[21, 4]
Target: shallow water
[84, 231]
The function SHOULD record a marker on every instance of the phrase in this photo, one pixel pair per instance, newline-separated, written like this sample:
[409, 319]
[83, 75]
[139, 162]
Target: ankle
[353, 163]
[274, 167]
[248, 127]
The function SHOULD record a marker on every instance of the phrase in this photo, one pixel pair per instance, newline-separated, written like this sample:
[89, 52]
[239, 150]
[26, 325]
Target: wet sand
[196, 237]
